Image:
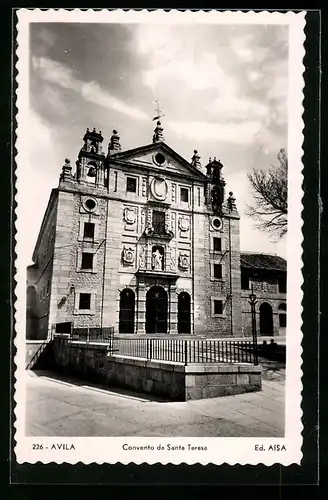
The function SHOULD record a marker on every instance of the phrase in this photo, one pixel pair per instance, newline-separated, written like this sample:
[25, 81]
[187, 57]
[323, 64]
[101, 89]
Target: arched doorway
[184, 312]
[127, 301]
[156, 310]
[266, 319]
[282, 315]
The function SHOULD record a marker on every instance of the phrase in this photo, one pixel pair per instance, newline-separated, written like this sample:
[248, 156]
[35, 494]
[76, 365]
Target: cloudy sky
[223, 89]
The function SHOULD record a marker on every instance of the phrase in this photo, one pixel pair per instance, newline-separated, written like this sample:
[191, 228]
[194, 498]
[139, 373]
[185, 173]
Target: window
[217, 244]
[184, 195]
[85, 301]
[89, 230]
[87, 260]
[131, 185]
[90, 205]
[217, 271]
[160, 159]
[282, 309]
[244, 282]
[218, 307]
[159, 222]
[282, 285]
[282, 320]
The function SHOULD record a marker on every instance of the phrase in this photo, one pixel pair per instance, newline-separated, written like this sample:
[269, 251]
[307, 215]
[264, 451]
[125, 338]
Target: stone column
[149, 256]
[173, 309]
[141, 308]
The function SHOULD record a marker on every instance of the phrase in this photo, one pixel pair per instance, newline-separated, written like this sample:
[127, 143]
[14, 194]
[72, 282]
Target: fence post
[186, 352]
[88, 334]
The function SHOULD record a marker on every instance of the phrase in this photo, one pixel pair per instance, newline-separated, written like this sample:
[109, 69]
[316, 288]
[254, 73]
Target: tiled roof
[262, 261]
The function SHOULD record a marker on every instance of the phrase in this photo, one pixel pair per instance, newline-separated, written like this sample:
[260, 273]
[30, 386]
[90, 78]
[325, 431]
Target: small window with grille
[217, 244]
[87, 260]
[184, 195]
[89, 231]
[217, 271]
[159, 222]
[131, 185]
[85, 301]
[218, 306]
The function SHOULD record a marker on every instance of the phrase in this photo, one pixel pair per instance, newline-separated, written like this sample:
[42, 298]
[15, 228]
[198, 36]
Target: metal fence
[188, 351]
[103, 335]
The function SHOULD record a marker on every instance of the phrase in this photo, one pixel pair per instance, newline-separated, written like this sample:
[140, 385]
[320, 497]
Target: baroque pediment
[157, 157]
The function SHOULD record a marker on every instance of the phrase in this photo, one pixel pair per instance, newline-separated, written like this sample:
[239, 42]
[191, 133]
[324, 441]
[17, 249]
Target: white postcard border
[219, 450]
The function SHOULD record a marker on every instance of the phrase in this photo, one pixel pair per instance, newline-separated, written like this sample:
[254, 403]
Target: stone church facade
[141, 240]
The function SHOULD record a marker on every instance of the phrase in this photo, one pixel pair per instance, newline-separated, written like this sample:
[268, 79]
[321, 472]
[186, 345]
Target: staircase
[36, 358]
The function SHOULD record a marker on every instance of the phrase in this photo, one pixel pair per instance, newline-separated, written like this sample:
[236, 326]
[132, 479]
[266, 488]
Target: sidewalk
[70, 407]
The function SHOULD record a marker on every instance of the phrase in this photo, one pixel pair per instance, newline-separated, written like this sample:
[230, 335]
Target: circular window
[216, 223]
[90, 204]
[159, 159]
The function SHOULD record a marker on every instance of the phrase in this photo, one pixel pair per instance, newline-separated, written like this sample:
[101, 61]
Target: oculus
[159, 188]
[129, 215]
[159, 159]
[90, 204]
[216, 223]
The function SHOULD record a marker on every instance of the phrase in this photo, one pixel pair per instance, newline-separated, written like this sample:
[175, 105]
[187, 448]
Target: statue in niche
[157, 260]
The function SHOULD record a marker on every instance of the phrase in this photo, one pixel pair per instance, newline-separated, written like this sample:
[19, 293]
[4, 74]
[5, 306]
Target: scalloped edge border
[296, 22]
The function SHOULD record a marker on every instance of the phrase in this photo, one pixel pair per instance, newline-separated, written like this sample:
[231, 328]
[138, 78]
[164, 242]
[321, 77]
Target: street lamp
[253, 302]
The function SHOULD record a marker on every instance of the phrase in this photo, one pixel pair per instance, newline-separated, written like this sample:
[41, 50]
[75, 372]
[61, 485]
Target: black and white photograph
[159, 199]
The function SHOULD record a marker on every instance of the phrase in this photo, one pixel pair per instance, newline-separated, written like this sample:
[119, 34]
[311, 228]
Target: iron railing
[101, 335]
[188, 351]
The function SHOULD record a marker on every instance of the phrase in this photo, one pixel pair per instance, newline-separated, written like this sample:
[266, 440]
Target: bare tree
[269, 188]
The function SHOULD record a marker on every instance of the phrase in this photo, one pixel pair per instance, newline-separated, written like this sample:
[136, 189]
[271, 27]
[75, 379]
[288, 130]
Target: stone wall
[229, 323]
[174, 381]
[274, 299]
[39, 279]
[68, 279]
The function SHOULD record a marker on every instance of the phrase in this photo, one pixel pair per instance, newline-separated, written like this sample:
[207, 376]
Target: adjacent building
[145, 241]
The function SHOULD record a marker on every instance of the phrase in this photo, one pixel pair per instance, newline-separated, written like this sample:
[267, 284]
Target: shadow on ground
[128, 393]
[272, 370]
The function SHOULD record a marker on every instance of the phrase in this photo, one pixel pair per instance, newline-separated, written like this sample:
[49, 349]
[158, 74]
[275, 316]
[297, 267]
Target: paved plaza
[60, 406]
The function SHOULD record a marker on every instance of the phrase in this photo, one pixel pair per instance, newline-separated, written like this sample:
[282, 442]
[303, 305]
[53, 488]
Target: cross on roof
[159, 113]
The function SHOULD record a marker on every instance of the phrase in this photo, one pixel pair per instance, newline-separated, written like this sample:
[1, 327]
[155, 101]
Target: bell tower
[90, 165]
[217, 184]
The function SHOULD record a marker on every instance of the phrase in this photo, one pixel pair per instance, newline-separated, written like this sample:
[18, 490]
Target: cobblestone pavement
[71, 407]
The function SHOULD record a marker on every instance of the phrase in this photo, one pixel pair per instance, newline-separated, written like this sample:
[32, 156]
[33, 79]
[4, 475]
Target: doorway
[127, 301]
[156, 310]
[184, 312]
[266, 319]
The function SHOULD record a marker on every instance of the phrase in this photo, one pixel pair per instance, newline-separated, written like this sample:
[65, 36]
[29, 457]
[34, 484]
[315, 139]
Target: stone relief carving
[128, 255]
[172, 259]
[142, 258]
[184, 260]
[144, 186]
[159, 188]
[184, 223]
[129, 215]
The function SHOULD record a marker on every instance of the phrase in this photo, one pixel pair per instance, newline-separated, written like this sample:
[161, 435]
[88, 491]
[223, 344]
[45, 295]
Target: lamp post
[253, 302]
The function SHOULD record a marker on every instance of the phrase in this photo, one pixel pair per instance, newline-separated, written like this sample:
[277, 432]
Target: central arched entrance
[156, 310]
[266, 319]
[184, 312]
[127, 301]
